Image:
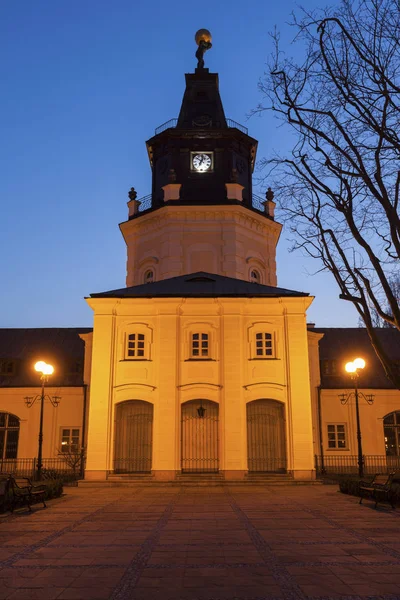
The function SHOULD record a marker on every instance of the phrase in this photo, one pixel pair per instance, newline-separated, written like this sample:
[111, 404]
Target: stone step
[200, 482]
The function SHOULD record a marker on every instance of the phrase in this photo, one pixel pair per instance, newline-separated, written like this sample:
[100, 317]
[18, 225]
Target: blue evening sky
[83, 85]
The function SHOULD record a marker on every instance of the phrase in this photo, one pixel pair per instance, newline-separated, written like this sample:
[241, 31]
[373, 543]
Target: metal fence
[53, 468]
[172, 123]
[147, 202]
[373, 463]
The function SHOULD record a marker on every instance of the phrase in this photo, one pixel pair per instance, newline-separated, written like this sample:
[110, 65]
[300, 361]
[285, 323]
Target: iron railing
[173, 123]
[235, 125]
[166, 125]
[146, 203]
[258, 203]
[348, 465]
[53, 468]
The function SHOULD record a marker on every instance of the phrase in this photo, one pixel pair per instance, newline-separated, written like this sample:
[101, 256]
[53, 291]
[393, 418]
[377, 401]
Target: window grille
[136, 345]
[7, 367]
[70, 440]
[264, 346]
[9, 434]
[337, 436]
[200, 345]
[391, 429]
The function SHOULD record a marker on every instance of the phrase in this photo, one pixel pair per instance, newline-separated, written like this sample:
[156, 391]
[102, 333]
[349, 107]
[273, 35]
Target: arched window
[391, 429]
[255, 276]
[9, 434]
[149, 276]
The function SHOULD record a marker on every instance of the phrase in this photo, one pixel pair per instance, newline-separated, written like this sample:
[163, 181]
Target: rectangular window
[264, 347]
[7, 367]
[135, 345]
[70, 440]
[337, 437]
[200, 345]
[329, 367]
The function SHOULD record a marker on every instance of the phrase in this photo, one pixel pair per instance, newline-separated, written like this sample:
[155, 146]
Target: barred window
[135, 345]
[70, 440]
[337, 436]
[264, 345]
[200, 345]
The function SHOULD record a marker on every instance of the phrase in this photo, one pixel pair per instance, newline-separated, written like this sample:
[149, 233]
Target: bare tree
[377, 321]
[339, 188]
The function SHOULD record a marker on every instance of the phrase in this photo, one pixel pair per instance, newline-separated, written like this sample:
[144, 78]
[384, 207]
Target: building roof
[200, 285]
[61, 347]
[345, 344]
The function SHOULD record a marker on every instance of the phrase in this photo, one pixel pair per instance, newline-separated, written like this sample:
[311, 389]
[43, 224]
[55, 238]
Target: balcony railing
[146, 204]
[173, 123]
[348, 465]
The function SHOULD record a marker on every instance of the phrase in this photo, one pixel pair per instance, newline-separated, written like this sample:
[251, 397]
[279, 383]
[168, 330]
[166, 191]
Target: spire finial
[203, 40]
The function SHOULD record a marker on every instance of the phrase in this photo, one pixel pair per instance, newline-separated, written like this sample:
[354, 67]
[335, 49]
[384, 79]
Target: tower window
[135, 345]
[255, 276]
[149, 276]
[200, 345]
[264, 346]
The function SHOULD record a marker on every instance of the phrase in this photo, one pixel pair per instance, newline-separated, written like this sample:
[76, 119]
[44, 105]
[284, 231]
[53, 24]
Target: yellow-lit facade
[177, 383]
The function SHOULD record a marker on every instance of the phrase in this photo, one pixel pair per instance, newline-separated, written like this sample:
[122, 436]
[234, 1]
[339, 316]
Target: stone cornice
[218, 213]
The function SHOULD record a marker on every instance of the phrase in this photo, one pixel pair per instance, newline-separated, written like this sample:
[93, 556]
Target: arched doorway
[9, 435]
[266, 446]
[199, 437]
[133, 437]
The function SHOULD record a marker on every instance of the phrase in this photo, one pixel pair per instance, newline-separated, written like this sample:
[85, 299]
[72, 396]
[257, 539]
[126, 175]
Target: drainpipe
[321, 445]
[82, 473]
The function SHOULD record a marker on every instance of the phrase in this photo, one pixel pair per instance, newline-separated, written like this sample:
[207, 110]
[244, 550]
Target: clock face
[201, 162]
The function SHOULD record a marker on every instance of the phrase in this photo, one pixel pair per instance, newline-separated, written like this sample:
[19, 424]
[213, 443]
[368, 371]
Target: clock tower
[200, 364]
[201, 213]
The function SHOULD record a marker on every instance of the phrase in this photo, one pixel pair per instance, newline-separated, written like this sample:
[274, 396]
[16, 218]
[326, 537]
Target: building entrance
[199, 437]
[133, 437]
[266, 447]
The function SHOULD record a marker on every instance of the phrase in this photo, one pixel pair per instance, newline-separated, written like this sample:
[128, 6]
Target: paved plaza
[201, 543]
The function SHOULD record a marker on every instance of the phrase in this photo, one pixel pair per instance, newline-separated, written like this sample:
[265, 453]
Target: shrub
[351, 485]
[54, 489]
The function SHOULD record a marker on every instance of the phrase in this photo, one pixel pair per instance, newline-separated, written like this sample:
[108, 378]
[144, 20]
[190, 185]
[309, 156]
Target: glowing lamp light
[44, 368]
[350, 367]
[359, 363]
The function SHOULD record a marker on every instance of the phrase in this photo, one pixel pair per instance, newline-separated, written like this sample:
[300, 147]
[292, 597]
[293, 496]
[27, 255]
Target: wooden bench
[378, 489]
[24, 492]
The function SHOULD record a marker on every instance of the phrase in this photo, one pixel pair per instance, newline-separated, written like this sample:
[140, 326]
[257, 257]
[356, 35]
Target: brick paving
[204, 543]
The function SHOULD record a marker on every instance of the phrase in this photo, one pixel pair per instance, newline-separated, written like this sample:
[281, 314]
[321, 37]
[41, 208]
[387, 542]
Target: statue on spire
[203, 40]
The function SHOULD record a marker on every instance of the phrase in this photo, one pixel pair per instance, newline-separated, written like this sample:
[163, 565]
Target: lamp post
[45, 370]
[353, 368]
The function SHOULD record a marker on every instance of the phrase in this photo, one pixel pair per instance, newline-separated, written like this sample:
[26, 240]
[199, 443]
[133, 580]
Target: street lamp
[353, 368]
[45, 370]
